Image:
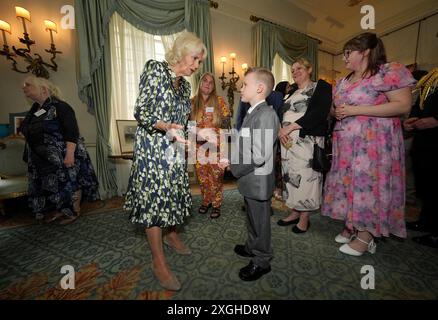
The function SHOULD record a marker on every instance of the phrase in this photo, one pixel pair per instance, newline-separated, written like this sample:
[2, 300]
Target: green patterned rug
[112, 261]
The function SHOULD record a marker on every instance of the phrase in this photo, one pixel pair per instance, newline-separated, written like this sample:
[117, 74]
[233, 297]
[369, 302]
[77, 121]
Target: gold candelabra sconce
[36, 65]
[231, 84]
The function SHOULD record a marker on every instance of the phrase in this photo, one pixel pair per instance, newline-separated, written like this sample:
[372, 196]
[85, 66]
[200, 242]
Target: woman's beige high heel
[185, 251]
[172, 284]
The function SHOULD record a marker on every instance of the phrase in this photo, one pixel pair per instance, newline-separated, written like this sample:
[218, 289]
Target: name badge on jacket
[209, 109]
[40, 112]
[245, 133]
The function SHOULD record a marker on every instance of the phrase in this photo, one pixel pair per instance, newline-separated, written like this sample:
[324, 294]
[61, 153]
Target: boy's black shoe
[252, 272]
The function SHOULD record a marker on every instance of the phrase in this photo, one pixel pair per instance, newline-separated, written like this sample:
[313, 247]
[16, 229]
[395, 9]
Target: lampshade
[50, 25]
[23, 13]
[223, 59]
[245, 66]
[233, 56]
[5, 26]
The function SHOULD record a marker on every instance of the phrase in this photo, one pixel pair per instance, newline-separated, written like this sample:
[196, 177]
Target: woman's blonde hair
[44, 83]
[198, 103]
[304, 62]
[186, 43]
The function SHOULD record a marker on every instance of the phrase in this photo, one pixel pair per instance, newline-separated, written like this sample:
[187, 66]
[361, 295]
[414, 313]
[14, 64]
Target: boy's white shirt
[254, 106]
[244, 132]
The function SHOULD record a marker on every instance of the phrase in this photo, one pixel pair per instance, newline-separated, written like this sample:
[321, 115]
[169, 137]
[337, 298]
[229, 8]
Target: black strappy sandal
[203, 209]
[215, 213]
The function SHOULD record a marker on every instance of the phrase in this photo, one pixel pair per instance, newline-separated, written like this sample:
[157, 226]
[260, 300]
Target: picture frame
[15, 121]
[126, 132]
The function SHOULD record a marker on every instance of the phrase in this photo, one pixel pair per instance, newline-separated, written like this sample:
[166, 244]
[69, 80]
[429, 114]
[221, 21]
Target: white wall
[399, 50]
[325, 66]
[230, 35]
[428, 44]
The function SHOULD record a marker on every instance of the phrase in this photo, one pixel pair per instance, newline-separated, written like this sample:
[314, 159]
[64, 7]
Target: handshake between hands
[175, 132]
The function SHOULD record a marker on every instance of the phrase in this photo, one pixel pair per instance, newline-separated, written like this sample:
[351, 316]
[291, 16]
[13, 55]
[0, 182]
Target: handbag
[320, 161]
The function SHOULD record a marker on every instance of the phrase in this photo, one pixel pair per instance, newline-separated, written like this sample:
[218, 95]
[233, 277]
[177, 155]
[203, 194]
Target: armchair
[13, 170]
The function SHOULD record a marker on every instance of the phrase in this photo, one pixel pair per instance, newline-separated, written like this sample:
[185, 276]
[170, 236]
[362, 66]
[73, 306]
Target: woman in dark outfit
[59, 168]
[423, 123]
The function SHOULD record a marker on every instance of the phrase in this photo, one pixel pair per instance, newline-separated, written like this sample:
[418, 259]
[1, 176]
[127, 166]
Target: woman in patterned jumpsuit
[211, 114]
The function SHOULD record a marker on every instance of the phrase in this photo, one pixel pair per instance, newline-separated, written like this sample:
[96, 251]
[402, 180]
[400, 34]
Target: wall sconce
[35, 65]
[234, 77]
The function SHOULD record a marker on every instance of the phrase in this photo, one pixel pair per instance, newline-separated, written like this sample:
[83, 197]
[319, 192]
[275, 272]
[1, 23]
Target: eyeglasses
[347, 53]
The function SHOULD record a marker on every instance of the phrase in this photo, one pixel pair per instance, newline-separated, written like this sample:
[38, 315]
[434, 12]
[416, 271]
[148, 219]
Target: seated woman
[210, 112]
[59, 168]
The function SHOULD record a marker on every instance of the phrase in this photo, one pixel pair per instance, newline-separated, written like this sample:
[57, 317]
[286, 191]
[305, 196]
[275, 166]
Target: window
[130, 49]
[281, 70]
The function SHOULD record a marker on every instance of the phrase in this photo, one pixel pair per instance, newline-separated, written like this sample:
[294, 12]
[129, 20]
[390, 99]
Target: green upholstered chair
[13, 170]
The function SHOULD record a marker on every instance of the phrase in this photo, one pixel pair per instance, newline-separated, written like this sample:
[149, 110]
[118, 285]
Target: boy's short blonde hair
[186, 43]
[264, 76]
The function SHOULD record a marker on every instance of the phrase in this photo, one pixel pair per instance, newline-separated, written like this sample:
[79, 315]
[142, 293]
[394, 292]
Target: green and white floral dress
[158, 190]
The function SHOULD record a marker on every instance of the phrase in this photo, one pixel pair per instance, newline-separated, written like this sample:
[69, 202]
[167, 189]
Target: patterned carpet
[112, 261]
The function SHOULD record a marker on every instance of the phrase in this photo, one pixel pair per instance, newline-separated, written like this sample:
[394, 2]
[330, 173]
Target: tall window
[281, 70]
[130, 49]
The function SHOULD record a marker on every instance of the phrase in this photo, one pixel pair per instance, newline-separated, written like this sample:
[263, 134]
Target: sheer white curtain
[281, 70]
[130, 49]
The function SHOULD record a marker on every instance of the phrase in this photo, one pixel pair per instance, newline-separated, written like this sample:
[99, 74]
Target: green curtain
[263, 45]
[269, 39]
[198, 21]
[153, 16]
[160, 17]
[94, 76]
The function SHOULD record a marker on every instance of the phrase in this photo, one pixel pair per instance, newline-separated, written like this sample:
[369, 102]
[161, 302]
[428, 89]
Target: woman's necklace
[176, 83]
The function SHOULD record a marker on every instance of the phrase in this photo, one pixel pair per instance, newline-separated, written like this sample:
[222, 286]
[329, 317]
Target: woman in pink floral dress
[366, 184]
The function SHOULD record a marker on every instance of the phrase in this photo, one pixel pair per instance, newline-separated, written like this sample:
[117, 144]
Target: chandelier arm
[53, 51]
[15, 68]
[22, 53]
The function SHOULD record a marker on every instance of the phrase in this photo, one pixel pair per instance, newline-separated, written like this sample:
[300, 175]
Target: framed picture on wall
[126, 132]
[15, 121]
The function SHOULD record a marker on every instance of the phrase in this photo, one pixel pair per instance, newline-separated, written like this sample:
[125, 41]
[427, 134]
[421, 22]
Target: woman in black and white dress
[304, 122]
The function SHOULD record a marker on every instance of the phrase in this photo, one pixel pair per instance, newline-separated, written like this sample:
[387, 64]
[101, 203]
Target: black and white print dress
[158, 189]
[302, 186]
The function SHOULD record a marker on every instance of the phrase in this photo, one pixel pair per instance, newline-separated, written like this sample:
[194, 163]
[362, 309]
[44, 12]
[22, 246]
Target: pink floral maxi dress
[366, 184]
